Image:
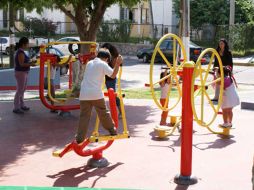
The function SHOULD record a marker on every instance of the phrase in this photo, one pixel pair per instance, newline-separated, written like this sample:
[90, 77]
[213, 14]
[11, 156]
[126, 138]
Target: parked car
[167, 49]
[53, 50]
[5, 45]
[65, 47]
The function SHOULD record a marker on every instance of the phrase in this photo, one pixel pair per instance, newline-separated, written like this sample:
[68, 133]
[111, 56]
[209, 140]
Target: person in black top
[111, 83]
[227, 61]
[22, 67]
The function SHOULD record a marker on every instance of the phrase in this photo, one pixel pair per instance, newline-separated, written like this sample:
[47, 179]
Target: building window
[21, 14]
[144, 16]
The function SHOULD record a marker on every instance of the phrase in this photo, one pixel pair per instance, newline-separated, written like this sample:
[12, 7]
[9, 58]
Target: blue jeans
[112, 84]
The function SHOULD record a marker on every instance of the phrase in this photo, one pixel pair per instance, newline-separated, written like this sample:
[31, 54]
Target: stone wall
[129, 48]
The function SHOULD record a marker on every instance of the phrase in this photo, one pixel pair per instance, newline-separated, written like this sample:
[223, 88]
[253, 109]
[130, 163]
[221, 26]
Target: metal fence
[240, 36]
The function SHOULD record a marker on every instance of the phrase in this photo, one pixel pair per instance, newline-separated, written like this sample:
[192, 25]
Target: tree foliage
[86, 14]
[39, 27]
[216, 12]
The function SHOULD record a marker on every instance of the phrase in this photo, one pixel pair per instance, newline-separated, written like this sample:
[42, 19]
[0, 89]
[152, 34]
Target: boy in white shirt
[91, 94]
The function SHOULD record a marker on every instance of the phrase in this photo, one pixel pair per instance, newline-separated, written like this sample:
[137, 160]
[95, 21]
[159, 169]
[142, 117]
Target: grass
[137, 93]
[145, 93]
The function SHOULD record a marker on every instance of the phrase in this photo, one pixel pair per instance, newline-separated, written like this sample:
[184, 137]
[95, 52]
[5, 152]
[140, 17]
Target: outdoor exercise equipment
[50, 59]
[195, 84]
[175, 67]
[97, 159]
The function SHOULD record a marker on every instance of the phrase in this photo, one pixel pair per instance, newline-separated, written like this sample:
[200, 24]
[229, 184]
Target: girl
[110, 82]
[230, 98]
[164, 92]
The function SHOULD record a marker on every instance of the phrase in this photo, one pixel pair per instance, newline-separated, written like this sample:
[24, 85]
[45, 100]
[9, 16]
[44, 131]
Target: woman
[111, 83]
[22, 67]
[226, 58]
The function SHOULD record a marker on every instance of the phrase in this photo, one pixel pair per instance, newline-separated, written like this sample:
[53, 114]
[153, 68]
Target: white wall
[162, 11]
[112, 12]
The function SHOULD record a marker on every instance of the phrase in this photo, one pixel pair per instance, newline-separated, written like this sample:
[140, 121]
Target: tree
[39, 27]
[216, 12]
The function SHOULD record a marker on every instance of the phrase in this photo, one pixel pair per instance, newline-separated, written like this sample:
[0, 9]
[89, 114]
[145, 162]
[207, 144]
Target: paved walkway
[141, 162]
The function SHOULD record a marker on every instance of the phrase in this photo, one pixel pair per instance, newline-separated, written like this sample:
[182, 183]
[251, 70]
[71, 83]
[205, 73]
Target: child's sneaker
[112, 131]
[18, 111]
[226, 125]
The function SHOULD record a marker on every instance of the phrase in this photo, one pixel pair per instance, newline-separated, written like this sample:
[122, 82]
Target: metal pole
[231, 21]
[232, 13]
[2, 63]
[151, 18]
[11, 32]
[186, 26]
[185, 177]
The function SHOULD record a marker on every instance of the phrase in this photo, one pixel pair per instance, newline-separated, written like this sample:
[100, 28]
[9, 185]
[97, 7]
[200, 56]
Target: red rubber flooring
[141, 162]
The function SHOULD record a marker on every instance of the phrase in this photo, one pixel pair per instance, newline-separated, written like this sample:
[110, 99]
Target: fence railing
[240, 36]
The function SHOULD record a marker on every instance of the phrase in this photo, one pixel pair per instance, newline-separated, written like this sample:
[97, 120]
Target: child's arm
[119, 61]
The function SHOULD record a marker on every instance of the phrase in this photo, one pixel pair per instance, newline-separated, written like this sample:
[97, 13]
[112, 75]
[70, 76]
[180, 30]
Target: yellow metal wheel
[173, 67]
[201, 85]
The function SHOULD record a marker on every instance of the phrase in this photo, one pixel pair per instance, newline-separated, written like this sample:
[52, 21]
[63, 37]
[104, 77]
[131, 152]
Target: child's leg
[118, 105]
[52, 91]
[103, 114]
[164, 114]
[230, 115]
[225, 115]
[84, 118]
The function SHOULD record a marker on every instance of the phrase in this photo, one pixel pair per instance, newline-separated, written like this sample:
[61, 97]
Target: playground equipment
[201, 82]
[97, 159]
[49, 59]
[195, 83]
[175, 71]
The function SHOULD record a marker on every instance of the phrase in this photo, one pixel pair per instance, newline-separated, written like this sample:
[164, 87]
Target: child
[53, 69]
[164, 93]
[91, 94]
[230, 98]
[111, 83]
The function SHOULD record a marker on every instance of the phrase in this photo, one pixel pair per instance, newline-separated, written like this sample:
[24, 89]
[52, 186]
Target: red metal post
[185, 177]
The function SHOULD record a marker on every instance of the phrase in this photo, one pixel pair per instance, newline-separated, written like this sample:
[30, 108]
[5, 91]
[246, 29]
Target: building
[164, 18]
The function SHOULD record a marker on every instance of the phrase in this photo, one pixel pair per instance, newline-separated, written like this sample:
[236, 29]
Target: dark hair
[163, 73]
[22, 41]
[103, 53]
[226, 49]
[112, 49]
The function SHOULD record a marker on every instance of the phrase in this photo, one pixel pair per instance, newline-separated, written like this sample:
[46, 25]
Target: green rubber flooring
[55, 188]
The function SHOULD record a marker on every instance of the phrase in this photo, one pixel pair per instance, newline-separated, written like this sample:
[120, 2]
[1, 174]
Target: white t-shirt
[164, 91]
[93, 79]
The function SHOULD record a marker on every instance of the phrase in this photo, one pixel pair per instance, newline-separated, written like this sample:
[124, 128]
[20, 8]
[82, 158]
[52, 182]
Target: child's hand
[119, 60]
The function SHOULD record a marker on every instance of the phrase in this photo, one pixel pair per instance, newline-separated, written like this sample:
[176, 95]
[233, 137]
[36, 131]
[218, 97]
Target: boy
[91, 94]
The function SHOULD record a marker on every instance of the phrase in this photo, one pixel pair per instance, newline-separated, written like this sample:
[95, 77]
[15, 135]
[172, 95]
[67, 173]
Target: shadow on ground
[39, 129]
[74, 176]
